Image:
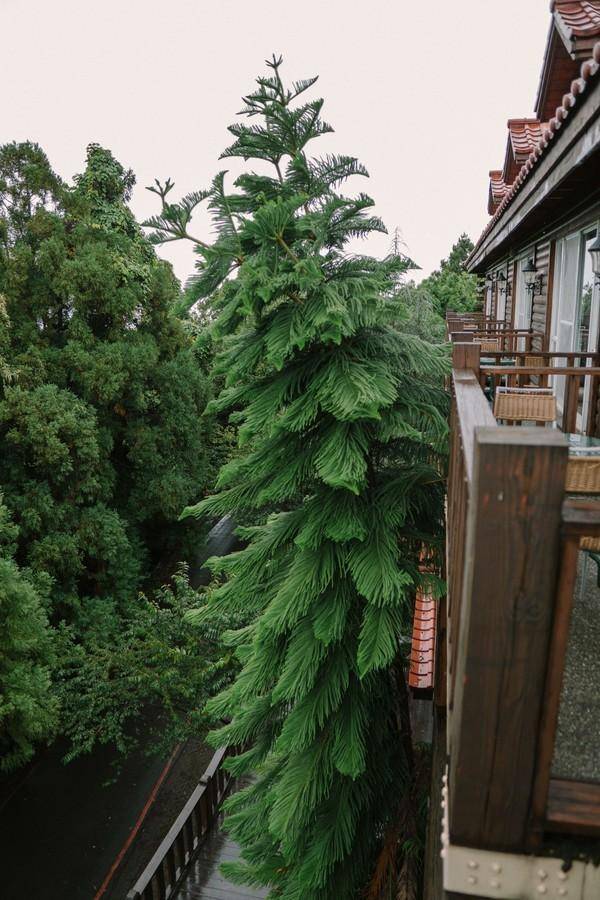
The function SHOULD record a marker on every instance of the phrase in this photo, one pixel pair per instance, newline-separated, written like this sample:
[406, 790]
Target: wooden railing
[168, 866]
[580, 371]
[512, 555]
[508, 340]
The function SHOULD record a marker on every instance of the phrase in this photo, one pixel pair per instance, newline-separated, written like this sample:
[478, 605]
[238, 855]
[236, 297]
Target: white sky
[418, 90]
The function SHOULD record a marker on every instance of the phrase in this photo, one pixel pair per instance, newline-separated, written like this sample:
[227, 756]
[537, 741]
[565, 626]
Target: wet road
[62, 828]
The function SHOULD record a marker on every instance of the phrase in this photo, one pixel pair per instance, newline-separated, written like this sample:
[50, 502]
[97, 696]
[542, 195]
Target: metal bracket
[513, 876]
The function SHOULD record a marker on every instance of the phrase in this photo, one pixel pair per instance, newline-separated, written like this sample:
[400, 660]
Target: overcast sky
[419, 90]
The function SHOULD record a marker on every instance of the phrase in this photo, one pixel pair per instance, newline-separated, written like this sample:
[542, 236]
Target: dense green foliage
[342, 419]
[423, 319]
[147, 683]
[28, 707]
[451, 286]
[101, 395]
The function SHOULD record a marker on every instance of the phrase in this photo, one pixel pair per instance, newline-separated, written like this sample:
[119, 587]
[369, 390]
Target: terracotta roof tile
[581, 18]
[523, 137]
[498, 190]
[422, 654]
[589, 75]
[524, 134]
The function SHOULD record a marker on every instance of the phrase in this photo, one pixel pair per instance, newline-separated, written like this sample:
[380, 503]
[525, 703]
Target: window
[575, 316]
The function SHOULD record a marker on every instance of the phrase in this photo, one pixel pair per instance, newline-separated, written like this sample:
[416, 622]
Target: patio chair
[536, 362]
[583, 477]
[525, 404]
[489, 345]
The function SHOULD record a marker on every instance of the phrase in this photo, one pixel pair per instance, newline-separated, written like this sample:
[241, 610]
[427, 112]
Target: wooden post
[571, 401]
[590, 425]
[466, 356]
[512, 544]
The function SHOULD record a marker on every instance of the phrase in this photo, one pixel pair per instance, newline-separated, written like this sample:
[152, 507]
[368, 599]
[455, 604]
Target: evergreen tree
[28, 707]
[100, 421]
[342, 418]
[451, 286]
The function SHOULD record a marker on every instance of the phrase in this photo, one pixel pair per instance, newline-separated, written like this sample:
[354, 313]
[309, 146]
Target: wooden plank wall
[508, 317]
[541, 303]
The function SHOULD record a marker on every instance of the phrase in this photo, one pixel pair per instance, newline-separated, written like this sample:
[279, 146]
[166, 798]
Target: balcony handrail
[178, 849]
[472, 411]
[580, 371]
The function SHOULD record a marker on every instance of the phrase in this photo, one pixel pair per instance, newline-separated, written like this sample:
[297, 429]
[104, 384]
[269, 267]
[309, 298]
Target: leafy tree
[142, 681]
[28, 706]
[451, 286]
[102, 387]
[343, 421]
[101, 422]
[423, 318]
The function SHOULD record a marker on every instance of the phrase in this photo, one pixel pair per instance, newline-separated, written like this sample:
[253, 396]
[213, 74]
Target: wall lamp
[533, 282]
[594, 251]
[505, 285]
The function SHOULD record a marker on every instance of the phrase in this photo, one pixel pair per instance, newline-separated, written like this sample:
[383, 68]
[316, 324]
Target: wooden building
[545, 201]
[515, 809]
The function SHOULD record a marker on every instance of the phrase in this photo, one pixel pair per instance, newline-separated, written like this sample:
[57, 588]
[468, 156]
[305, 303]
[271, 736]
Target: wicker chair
[583, 477]
[535, 362]
[489, 345]
[525, 404]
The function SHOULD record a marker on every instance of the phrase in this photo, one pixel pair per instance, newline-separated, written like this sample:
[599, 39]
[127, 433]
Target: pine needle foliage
[342, 418]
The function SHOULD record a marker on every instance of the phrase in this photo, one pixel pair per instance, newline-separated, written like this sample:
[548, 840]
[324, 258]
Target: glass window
[585, 293]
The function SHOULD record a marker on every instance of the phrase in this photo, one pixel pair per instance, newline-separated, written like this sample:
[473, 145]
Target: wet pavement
[62, 829]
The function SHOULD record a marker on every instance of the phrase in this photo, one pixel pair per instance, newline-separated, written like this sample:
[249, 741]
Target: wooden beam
[580, 371]
[573, 807]
[472, 412]
[512, 544]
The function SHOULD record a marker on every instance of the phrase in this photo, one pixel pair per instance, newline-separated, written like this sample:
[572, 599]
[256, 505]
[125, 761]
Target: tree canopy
[341, 418]
[101, 398]
[451, 286]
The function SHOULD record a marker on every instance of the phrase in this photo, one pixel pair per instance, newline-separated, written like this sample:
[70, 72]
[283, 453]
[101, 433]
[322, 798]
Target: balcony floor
[577, 748]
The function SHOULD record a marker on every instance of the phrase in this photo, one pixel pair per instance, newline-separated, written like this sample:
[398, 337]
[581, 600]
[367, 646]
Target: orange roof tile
[588, 77]
[581, 18]
[523, 137]
[524, 134]
[498, 190]
[422, 654]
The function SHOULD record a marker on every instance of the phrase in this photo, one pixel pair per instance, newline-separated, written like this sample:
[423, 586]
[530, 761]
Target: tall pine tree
[342, 418]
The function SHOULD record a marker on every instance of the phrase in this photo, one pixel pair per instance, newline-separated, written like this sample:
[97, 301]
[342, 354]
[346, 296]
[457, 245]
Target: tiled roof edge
[589, 71]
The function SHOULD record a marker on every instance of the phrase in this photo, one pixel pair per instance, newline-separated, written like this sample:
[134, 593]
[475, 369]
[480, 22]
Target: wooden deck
[205, 882]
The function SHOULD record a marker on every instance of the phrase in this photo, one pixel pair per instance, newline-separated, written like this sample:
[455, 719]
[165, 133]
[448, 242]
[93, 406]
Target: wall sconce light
[594, 251]
[533, 282]
[505, 285]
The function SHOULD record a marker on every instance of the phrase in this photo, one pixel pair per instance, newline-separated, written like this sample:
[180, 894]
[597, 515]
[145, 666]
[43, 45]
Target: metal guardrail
[169, 865]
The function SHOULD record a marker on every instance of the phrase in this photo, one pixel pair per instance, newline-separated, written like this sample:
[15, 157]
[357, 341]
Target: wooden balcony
[517, 644]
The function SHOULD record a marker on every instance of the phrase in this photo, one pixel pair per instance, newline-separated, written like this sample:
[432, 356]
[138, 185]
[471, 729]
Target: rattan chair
[489, 345]
[525, 404]
[535, 362]
[583, 477]
[583, 471]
